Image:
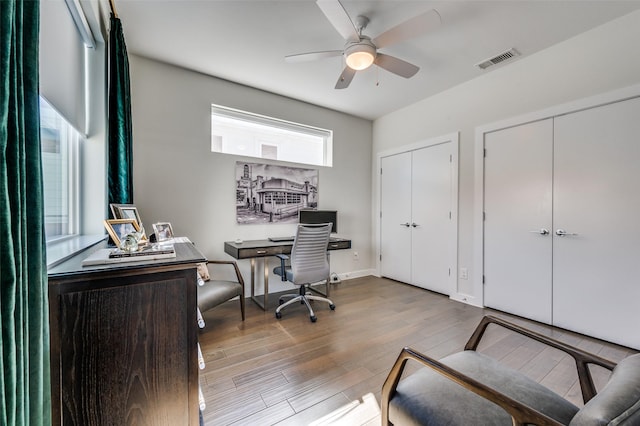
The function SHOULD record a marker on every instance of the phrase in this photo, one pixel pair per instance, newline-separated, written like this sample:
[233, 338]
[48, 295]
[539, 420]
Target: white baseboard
[465, 298]
[356, 274]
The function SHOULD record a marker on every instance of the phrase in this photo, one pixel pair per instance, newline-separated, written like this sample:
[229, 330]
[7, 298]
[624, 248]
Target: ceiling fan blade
[345, 78]
[312, 56]
[335, 13]
[396, 66]
[411, 28]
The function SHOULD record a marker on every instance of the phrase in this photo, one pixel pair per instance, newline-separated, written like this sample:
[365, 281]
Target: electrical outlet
[356, 256]
[464, 274]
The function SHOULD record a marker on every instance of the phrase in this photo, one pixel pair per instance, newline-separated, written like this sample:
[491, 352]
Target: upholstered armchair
[469, 388]
[213, 292]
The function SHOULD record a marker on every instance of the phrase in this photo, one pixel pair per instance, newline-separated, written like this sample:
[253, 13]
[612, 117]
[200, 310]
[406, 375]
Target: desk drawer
[339, 245]
[263, 251]
[263, 248]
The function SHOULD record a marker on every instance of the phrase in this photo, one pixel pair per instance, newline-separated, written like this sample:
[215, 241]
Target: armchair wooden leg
[242, 305]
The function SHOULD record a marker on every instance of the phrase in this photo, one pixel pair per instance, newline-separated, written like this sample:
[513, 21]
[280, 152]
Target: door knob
[541, 231]
[562, 233]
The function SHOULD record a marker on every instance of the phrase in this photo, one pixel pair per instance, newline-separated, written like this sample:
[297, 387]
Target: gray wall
[178, 179]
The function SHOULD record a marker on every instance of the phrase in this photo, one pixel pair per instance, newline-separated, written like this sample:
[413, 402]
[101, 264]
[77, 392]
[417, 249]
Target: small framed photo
[118, 229]
[125, 211]
[163, 231]
[130, 212]
[115, 209]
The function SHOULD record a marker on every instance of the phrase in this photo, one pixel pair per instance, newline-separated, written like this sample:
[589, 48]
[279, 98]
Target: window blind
[62, 63]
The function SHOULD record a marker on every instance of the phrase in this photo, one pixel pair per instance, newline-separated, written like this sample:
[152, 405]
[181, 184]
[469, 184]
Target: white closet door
[518, 210]
[395, 244]
[597, 173]
[431, 222]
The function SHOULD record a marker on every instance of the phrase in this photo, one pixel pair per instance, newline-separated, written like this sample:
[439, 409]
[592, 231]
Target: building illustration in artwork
[267, 193]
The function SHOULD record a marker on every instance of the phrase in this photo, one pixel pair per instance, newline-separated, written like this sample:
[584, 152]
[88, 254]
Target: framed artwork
[118, 229]
[270, 193]
[163, 231]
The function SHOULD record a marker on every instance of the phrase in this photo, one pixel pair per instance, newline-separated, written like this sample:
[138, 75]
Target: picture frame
[258, 192]
[120, 228]
[130, 212]
[163, 231]
[125, 211]
[115, 210]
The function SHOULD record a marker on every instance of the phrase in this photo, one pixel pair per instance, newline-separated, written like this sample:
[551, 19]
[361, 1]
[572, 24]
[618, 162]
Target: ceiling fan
[360, 51]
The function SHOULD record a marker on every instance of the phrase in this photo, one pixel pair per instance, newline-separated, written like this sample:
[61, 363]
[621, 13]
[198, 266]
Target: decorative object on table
[127, 211]
[163, 231]
[129, 243]
[144, 253]
[119, 229]
[267, 193]
[145, 250]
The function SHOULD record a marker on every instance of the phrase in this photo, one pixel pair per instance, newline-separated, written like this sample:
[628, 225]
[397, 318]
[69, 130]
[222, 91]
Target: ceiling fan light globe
[360, 60]
[360, 56]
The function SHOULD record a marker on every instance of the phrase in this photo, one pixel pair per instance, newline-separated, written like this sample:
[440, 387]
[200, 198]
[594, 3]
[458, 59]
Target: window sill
[59, 251]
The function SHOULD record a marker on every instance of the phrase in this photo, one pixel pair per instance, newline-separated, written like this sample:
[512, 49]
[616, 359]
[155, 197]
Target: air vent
[501, 57]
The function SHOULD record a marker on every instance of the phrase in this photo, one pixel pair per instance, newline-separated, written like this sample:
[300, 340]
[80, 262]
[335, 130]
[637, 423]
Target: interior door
[518, 220]
[395, 232]
[431, 218]
[597, 157]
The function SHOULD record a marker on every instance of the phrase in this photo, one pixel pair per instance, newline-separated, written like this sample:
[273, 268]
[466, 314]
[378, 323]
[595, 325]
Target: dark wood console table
[259, 249]
[124, 341]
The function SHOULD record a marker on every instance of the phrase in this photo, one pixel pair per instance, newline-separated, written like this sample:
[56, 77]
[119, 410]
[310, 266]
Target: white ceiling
[245, 41]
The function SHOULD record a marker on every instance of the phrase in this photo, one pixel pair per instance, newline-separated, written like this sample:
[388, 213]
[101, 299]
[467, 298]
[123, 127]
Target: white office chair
[309, 265]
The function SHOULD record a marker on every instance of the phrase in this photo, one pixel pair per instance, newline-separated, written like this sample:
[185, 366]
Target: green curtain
[25, 382]
[120, 143]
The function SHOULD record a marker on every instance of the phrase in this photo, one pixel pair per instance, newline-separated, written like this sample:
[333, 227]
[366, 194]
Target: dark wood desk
[124, 341]
[259, 249]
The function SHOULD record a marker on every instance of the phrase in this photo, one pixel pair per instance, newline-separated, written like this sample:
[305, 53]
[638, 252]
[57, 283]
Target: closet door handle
[562, 233]
[415, 225]
[406, 224]
[541, 231]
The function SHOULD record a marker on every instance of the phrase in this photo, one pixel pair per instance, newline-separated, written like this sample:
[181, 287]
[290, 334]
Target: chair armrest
[283, 258]
[520, 413]
[229, 262]
[581, 358]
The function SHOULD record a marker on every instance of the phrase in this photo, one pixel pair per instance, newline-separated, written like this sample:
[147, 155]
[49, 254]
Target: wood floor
[265, 371]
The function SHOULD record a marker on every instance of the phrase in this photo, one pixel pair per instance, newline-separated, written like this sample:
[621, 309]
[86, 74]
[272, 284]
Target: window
[60, 145]
[252, 135]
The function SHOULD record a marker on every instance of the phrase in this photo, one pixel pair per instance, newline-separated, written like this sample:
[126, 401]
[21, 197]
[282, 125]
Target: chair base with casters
[309, 264]
[303, 297]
